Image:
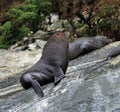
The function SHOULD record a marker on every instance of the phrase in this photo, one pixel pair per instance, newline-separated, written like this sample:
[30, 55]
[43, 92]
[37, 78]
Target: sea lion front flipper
[58, 75]
[37, 88]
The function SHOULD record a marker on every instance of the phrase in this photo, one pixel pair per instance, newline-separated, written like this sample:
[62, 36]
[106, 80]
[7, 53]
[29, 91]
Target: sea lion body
[78, 47]
[100, 41]
[86, 45]
[52, 65]
[114, 52]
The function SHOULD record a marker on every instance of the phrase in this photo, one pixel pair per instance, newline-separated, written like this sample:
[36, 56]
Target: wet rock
[12, 64]
[89, 86]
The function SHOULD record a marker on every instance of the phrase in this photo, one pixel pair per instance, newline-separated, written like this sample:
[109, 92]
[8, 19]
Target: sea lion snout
[106, 40]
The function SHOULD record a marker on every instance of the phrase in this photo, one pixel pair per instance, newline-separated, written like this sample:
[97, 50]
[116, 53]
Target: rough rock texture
[58, 26]
[89, 86]
[12, 64]
[41, 35]
[35, 42]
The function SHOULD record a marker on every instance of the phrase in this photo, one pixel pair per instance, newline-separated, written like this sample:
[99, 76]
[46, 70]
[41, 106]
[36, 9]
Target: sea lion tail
[37, 88]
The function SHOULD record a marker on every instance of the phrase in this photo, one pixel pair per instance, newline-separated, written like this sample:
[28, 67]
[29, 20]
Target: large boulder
[12, 64]
[89, 86]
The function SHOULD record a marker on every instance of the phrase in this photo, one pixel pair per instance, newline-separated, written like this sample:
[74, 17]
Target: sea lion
[51, 67]
[114, 52]
[86, 45]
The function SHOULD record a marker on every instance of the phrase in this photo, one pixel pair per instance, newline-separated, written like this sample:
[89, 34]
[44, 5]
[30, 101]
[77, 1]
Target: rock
[32, 43]
[58, 26]
[89, 86]
[41, 43]
[23, 44]
[42, 35]
[33, 46]
[12, 64]
[20, 48]
[53, 17]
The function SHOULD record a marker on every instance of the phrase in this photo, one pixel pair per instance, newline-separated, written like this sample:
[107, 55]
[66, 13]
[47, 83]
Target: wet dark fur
[51, 67]
[86, 45]
[114, 52]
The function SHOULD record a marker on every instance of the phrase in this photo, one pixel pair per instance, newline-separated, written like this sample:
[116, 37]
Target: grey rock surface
[12, 64]
[41, 35]
[89, 86]
[58, 26]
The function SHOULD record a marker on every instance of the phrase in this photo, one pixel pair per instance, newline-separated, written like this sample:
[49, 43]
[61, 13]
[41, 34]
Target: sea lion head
[103, 39]
[59, 34]
[114, 52]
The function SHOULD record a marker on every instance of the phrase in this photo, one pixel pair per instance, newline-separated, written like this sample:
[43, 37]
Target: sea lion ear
[58, 75]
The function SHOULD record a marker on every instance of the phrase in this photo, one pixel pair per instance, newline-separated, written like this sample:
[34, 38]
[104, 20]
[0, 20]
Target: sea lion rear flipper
[58, 75]
[37, 88]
